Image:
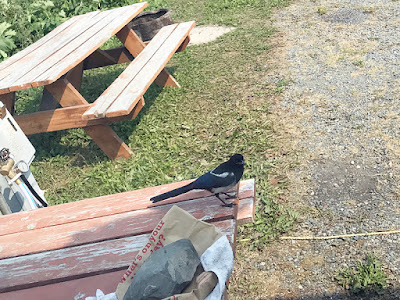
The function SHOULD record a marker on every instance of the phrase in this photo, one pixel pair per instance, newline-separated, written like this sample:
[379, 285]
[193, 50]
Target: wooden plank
[99, 58]
[82, 261]
[64, 49]
[166, 79]
[135, 45]
[104, 206]
[72, 289]
[246, 211]
[38, 44]
[140, 83]
[30, 61]
[74, 76]
[88, 42]
[35, 64]
[103, 228]
[125, 84]
[66, 118]
[131, 41]
[120, 54]
[54, 266]
[49, 102]
[53, 120]
[66, 94]
[107, 140]
[114, 90]
[9, 101]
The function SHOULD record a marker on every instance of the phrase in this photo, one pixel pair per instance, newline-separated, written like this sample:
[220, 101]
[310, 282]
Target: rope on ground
[338, 236]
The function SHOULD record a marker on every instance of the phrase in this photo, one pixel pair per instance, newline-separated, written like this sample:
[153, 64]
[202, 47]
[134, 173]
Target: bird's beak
[243, 163]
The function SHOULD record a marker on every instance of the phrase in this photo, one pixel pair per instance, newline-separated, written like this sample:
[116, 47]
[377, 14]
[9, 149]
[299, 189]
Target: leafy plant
[322, 10]
[7, 36]
[359, 63]
[271, 220]
[366, 275]
[44, 16]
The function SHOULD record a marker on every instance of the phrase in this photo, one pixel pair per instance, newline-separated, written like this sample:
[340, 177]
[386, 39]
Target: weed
[281, 85]
[7, 36]
[359, 63]
[368, 9]
[271, 220]
[365, 276]
[322, 10]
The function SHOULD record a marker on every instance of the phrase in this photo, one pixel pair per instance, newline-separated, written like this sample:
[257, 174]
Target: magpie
[218, 181]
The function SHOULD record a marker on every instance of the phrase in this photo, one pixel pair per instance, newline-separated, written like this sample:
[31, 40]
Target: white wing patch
[222, 175]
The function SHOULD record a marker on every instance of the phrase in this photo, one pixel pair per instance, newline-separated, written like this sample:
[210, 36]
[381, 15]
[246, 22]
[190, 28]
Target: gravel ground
[339, 65]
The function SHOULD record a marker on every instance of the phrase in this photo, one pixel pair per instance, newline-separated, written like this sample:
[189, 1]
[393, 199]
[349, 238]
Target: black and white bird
[218, 181]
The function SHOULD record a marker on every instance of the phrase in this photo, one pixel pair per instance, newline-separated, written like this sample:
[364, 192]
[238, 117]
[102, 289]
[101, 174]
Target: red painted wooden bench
[67, 251]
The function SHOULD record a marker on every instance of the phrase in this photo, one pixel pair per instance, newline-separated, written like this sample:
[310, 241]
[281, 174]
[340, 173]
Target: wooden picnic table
[58, 60]
[67, 251]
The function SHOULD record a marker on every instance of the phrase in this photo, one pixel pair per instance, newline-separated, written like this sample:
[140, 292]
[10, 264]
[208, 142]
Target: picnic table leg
[48, 102]
[101, 58]
[184, 44]
[74, 76]
[135, 45]
[9, 101]
[108, 141]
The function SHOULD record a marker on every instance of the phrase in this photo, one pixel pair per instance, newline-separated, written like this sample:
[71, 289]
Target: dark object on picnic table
[148, 23]
[166, 272]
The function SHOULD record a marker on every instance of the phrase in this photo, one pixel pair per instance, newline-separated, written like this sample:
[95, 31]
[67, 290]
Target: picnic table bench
[58, 60]
[67, 251]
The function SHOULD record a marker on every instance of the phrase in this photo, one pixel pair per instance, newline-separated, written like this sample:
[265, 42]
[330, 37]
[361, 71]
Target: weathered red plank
[246, 211]
[80, 261]
[77, 289]
[103, 228]
[103, 206]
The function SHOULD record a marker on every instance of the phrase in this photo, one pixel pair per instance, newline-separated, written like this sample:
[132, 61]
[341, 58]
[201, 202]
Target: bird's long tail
[173, 193]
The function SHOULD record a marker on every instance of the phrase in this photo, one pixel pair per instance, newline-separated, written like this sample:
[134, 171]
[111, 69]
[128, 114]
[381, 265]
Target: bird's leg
[229, 196]
[225, 204]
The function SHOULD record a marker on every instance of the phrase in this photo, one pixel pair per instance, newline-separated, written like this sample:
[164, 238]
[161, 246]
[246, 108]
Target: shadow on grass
[75, 142]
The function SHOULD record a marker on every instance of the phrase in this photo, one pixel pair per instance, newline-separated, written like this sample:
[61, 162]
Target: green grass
[359, 63]
[221, 109]
[366, 276]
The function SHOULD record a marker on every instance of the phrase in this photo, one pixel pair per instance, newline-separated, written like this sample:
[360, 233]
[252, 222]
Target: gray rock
[166, 272]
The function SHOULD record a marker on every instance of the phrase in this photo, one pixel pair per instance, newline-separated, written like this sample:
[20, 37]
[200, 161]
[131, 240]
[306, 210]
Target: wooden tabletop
[63, 48]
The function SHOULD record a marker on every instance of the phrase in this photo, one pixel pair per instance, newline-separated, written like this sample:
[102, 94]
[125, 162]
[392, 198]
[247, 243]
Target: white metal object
[18, 153]
[13, 138]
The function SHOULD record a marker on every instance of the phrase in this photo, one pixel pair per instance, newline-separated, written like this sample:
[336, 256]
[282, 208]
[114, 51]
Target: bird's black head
[237, 159]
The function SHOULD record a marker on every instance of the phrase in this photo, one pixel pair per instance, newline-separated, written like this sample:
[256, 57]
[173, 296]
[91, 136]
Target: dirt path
[338, 66]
